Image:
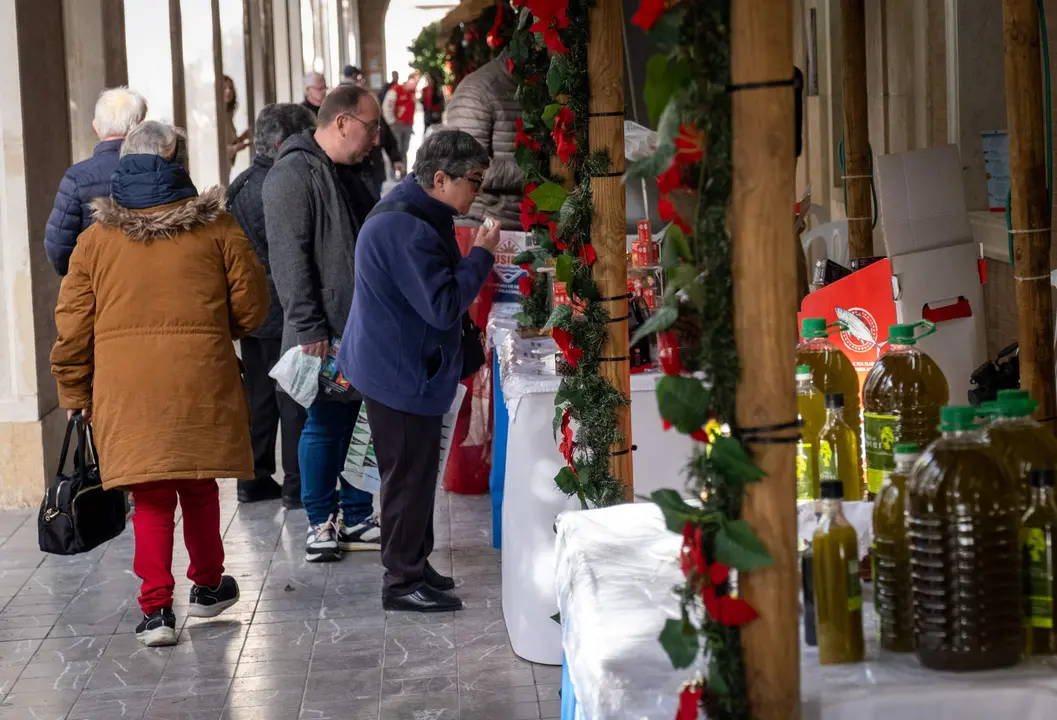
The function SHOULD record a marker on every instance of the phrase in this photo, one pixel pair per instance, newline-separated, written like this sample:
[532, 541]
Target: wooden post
[765, 325]
[856, 128]
[605, 72]
[1028, 210]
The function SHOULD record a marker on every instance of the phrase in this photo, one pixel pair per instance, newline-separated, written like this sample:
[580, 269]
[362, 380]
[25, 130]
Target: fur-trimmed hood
[164, 221]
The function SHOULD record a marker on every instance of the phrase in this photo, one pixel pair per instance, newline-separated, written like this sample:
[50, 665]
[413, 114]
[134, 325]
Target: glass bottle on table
[891, 556]
[837, 588]
[838, 457]
[812, 411]
[1037, 547]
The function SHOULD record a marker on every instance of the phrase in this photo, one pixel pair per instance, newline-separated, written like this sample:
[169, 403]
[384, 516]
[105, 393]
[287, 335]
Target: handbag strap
[70, 424]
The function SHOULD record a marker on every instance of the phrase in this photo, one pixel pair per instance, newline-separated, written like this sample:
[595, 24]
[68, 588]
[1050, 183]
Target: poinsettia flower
[649, 12]
[701, 435]
[671, 179]
[668, 214]
[525, 285]
[527, 267]
[689, 702]
[567, 444]
[692, 557]
[564, 135]
[509, 65]
[564, 339]
[725, 609]
[558, 242]
[523, 139]
[551, 16]
[530, 215]
[588, 254]
[689, 145]
[494, 39]
[668, 353]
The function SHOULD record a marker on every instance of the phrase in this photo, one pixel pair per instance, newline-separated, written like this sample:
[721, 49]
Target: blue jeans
[321, 455]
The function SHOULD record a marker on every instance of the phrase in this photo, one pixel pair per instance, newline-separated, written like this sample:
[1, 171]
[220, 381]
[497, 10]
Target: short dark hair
[277, 122]
[342, 99]
[350, 71]
[452, 152]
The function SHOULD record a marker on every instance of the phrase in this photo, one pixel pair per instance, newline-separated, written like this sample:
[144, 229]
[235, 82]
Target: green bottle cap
[903, 334]
[907, 449]
[1015, 408]
[813, 328]
[803, 370]
[957, 417]
[1005, 395]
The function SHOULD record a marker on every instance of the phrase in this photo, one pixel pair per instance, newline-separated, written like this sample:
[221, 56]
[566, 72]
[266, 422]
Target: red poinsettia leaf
[671, 179]
[646, 17]
[527, 267]
[734, 612]
[567, 444]
[668, 353]
[689, 702]
[718, 573]
[665, 425]
[689, 145]
[566, 149]
[588, 254]
[525, 285]
[701, 436]
[509, 65]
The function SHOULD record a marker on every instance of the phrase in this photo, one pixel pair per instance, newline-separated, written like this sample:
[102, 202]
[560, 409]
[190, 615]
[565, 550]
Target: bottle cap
[907, 449]
[903, 334]
[833, 490]
[813, 328]
[803, 371]
[834, 401]
[1042, 477]
[1006, 395]
[957, 417]
[1016, 407]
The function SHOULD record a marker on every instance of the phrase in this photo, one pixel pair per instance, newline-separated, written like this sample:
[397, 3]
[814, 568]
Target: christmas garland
[427, 57]
[548, 60]
[686, 94]
[473, 44]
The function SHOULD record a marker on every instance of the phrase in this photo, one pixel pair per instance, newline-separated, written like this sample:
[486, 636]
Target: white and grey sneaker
[157, 629]
[322, 543]
[366, 535]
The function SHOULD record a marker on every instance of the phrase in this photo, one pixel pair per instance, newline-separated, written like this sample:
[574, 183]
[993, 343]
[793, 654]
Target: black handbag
[472, 348]
[77, 514]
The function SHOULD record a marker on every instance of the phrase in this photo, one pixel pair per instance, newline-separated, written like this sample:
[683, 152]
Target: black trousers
[407, 448]
[271, 410]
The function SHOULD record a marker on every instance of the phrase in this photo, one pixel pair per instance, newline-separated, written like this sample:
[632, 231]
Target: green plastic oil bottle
[891, 555]
[1036, 548]
[831, 371]
[812, 411]
[902, 397]
[837, 589]
[838, 459]
[963, 531]
[1023, 443]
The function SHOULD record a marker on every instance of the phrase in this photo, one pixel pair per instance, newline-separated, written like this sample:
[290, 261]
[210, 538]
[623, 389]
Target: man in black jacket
[270, 408]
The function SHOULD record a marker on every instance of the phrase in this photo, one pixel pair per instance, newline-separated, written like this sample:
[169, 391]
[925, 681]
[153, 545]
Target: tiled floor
[304, 641]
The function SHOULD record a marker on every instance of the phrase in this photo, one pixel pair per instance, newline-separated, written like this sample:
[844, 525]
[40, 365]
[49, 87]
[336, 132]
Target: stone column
[95, 59]
[35, 137]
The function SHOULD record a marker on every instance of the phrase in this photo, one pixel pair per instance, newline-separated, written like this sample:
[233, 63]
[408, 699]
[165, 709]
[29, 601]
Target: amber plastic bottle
[902, 397]
[838, 459]
[1023, 444]
[1037, 547]
[812, 410]
[963, 529]
[831, 371]
[837, 590]
[891, 555]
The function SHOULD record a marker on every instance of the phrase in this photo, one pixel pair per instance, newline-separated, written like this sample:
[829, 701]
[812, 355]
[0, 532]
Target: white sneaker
[363, 536]
[322, 542]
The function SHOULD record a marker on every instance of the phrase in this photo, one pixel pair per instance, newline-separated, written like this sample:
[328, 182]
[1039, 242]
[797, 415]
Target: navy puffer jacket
[246, 203]
[82, 183]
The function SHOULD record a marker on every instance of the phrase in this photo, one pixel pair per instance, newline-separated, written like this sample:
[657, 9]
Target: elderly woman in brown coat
[158, 289]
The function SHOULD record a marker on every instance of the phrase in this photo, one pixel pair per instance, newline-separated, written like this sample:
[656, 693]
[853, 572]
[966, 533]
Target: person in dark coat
[315, 92]
[270, 408]
[117, 112]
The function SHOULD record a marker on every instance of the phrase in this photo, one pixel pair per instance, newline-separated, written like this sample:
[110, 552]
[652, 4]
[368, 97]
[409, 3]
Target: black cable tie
[614, 359]
[753, 440]
[618, 453]
[618, 319]
[736, 87]
[762, 429]
[607, 175]
[1046, 420]
[613, 298]
[613, 113]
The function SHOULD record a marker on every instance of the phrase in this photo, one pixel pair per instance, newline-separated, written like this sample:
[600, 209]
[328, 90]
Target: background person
[157, 375]
[411, 275]
[236, 143]
[271, 410]
[315, 92]
[398, 109]
[117, 112]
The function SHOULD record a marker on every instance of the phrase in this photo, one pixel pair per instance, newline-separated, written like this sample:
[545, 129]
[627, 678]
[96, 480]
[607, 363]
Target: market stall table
[532, 502]
[615, 570]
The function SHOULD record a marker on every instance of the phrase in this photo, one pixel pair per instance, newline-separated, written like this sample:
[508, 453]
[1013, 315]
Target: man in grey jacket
[311, 221]
[484, 105]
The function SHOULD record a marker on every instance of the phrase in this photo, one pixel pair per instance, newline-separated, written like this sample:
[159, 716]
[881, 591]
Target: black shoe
[157, 629]
[259, 490]
[437, 581]
[292, 494]
[425, 599]
[207, 602]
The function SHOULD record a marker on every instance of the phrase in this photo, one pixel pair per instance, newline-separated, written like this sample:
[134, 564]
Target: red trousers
[155, 524]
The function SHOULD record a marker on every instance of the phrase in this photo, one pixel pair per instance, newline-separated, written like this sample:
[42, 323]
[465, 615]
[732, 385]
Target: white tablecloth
[614, 567]
[532, 502]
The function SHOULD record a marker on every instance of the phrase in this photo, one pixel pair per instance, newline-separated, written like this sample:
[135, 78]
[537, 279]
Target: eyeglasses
[373, 127]
[477, 182]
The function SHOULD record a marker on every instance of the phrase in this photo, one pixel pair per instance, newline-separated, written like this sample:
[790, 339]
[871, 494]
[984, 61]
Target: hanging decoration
[548, 60]
[687, 99]
[472, 44]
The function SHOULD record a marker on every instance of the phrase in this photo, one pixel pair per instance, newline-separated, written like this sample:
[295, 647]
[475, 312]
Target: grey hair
[153, 138]
[453, 152]
[117, 111]
[310, 79]
[277, 122]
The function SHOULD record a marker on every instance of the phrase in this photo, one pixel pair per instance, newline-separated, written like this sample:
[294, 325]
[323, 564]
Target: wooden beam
[856, 128]
[1029, 209]
[605, 73]
[765, 308]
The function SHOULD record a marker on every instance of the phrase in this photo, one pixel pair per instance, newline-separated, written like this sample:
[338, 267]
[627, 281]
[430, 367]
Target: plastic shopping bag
[298, 375]
[361, 467]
